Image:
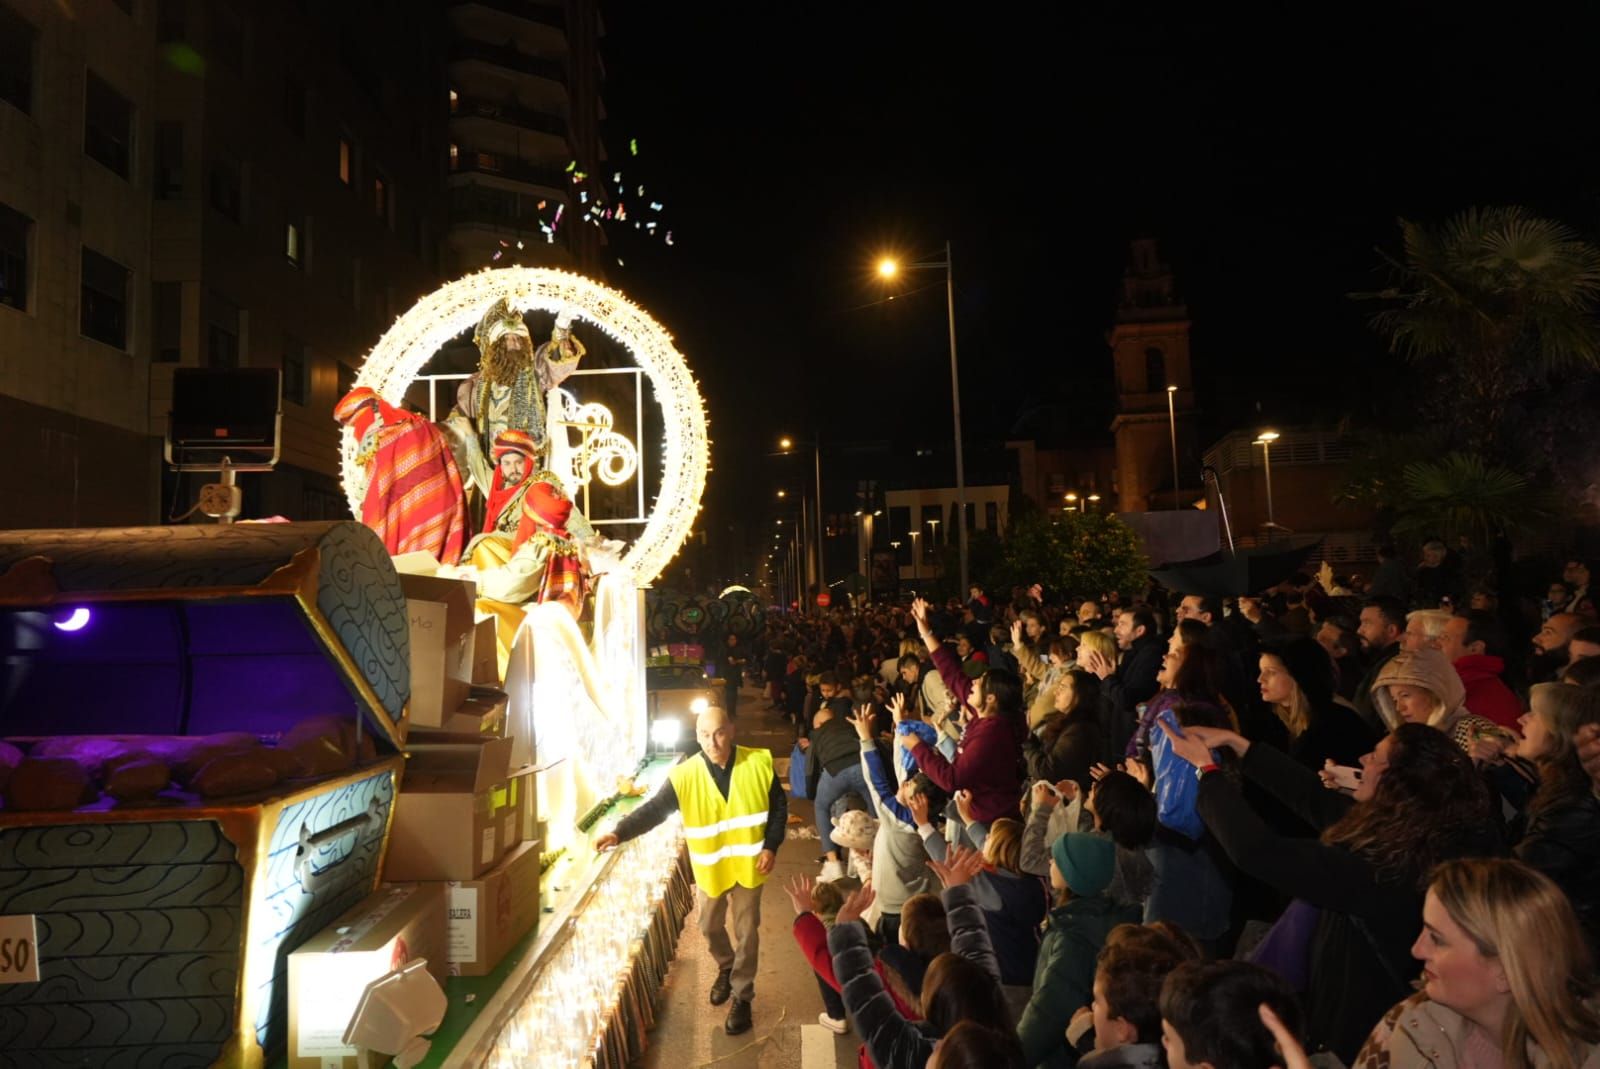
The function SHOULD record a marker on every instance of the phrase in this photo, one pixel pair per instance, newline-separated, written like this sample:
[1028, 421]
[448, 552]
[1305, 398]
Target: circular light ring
[457, 306]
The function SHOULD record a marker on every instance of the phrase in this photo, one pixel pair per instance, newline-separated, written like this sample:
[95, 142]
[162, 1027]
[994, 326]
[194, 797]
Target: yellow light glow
[1094, 497]
[783, 493]
[1267, 436]
[887, 268]
[1072, 497]
[785, 443]
[1172, 389]
[457, 306]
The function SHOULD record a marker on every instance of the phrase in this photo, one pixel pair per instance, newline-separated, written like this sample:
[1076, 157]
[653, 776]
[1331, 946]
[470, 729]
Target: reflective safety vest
[725, 835]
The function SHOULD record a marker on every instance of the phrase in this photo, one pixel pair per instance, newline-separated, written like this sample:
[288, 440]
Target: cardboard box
[482, 715]
[489, 915]
[329, 971]
[455, 814]
[485, 651]
[441, 615]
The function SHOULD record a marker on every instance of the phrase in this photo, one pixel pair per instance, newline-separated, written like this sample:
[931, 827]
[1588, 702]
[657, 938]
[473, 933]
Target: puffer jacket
[1563, 842]
[1063, 980]
[892, 1041]
[1421, 1034]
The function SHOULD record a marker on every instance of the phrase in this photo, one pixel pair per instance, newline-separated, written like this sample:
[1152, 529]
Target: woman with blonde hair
[1422, 687]
[1507, 978]
[1296, 681]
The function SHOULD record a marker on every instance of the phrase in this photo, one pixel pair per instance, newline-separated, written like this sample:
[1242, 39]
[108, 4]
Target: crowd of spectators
[1347, 820]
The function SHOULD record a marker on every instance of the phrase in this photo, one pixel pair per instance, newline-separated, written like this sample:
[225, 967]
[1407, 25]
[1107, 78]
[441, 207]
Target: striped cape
[415, 500]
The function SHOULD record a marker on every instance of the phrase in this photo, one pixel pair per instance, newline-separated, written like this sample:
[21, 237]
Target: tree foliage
[1493, 302]
[1077, 553]
[1461, 494]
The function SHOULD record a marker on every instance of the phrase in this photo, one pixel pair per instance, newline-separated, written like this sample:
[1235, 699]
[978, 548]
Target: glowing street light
[1172, 422]
[783, 493]
[889, 268]
[1265, 441]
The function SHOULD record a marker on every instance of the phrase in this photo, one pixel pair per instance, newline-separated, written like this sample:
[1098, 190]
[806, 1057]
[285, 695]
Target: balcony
[553, 17]
[508, 58]
[488, 163]
[466, 107]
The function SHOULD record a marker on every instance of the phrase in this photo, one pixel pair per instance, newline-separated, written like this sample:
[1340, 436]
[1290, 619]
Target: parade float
[261, 780]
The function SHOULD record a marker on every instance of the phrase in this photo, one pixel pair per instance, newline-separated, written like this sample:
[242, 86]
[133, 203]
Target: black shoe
[738, 1021]
[722, 988]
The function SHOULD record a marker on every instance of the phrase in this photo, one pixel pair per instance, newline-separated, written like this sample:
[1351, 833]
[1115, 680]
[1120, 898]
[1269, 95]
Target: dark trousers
[889, 928]
[832, 1001]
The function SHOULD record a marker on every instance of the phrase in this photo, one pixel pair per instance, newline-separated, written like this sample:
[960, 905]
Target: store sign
[19, 950]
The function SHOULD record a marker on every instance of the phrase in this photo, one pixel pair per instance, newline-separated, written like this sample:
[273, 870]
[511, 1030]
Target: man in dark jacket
[1133, 680]
[1476, 643]
[833, 769]
[1383, 621]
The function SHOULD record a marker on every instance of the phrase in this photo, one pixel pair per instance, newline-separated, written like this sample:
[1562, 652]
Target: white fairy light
[457, 306]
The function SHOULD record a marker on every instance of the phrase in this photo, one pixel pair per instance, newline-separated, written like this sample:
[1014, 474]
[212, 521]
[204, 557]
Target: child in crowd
[1211, 1015]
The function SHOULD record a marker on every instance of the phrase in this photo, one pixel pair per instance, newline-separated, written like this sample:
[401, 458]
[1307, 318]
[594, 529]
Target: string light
[562, 1021]
[457, 306]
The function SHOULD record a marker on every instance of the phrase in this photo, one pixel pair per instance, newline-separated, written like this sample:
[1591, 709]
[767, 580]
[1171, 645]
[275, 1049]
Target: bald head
[714, 731]
[1557, 632]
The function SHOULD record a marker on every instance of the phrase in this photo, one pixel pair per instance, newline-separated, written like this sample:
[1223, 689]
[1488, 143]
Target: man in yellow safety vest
[734, 817]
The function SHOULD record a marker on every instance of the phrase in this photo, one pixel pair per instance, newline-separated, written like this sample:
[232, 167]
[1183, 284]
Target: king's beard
[508, 357]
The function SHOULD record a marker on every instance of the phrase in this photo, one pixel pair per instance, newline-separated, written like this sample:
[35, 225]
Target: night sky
[1270, 158]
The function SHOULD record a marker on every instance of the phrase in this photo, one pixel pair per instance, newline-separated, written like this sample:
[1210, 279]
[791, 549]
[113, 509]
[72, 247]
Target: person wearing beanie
[1422, 687]
[1081, 869]
[1296, 680]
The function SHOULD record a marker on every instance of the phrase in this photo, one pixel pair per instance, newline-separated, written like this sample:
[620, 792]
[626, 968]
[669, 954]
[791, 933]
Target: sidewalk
[688, 1033]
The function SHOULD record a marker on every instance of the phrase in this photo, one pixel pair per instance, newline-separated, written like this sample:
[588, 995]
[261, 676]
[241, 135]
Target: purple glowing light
[75, 622]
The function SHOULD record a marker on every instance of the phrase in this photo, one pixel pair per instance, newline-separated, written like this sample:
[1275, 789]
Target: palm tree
[1497, 300]
[1461, 494]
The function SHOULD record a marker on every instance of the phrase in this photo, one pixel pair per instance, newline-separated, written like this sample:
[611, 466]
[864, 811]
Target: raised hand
[608, 841]
[960, 865]
[858, 903]
[799, 891]
[1294, 1055]
[1138, 770]
[1098, 772]
[918, 804]
[1220, 739]
[897, 708]
[1067, 789]
[862, 722]
[919, 613]
[1016, 632]
[1043, 796]
[964, 806]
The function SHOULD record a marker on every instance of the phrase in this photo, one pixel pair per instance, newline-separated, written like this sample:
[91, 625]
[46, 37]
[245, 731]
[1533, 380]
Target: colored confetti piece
[633, 146]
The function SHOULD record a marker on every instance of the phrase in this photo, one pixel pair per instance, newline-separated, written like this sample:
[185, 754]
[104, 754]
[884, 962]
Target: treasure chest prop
[201, 750]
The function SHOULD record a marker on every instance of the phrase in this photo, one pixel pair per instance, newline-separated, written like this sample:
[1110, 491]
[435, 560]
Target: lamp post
[787, 445]
[1265, 442]
[916, 559]
[1072, 501]
[1093, 499]
[1172, 422]
[889, 268]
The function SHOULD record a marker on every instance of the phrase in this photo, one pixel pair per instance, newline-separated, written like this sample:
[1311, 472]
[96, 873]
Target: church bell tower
[1150, 350]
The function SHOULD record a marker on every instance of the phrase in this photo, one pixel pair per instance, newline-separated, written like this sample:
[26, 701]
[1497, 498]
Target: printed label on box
[19, 950]
[488, 845]
[463, 923]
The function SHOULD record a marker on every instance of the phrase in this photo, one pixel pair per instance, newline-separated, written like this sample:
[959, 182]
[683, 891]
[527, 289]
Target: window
[227, 187]
[296, 373]
[1155, 370]
[107, 126]
[294, 106]
[347, 161]
[169, 160]
[293, 241]
[455, 100]
[166, 321]
[17, 41]
[222, 333]
[455, 155]
[103, 307]
[16, 231]
[172, 20]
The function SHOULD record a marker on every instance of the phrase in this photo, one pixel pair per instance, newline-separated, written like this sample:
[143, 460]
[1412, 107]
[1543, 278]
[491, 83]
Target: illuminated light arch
[457, 306]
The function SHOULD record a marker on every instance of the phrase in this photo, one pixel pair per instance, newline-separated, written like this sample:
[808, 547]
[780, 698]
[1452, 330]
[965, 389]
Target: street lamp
[1093, 499]
[787, 445]
[1072, 501]
[1265, 442]
[916, 559]
[1172, 421]
[889, 268]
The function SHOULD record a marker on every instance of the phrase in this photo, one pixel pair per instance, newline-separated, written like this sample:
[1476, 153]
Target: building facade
[223, 184]
[1155, 390]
